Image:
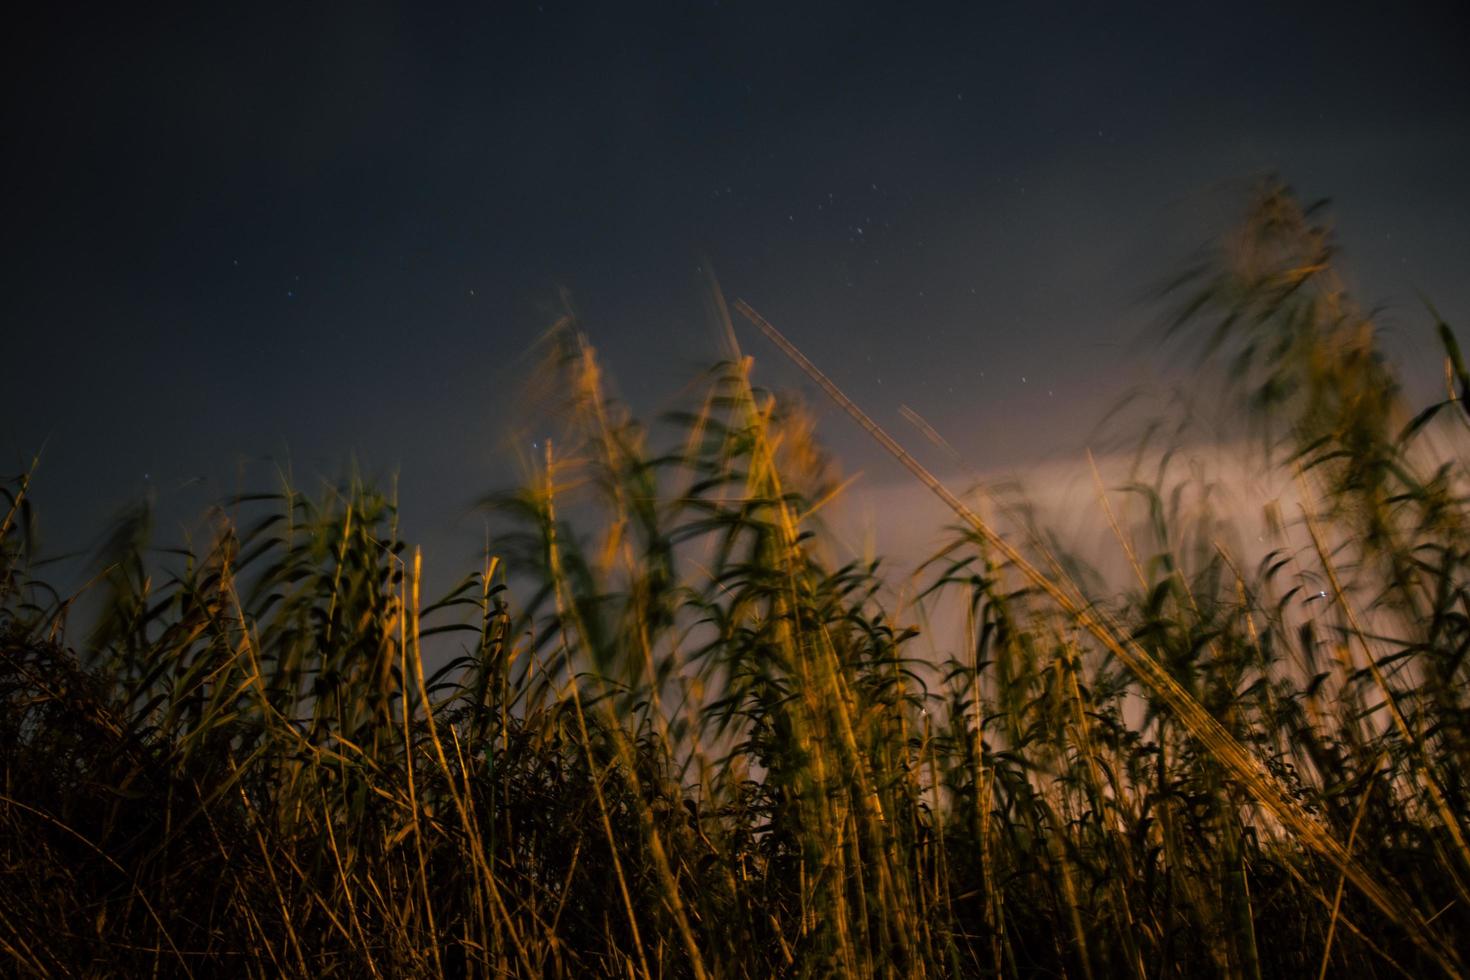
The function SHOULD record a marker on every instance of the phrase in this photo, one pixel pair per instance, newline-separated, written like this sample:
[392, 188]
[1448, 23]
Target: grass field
[677, 738]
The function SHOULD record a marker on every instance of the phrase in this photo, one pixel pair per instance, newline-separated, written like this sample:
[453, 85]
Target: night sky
[240, 235]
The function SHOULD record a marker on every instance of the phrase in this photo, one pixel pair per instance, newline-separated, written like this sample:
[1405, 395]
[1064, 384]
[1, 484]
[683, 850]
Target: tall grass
[662, 731]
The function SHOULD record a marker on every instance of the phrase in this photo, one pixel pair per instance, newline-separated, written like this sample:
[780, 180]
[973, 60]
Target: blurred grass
[677, 738]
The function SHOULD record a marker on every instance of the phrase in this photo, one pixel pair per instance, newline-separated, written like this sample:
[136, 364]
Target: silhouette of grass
[688, 742]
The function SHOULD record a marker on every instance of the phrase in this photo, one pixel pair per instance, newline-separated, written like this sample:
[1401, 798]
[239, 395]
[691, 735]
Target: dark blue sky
[313, 232]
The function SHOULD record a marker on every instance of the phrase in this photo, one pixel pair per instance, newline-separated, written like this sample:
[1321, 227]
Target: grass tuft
[663, 732]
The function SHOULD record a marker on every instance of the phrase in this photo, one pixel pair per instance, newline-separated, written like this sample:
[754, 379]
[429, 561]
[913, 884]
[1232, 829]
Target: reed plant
[667, 730]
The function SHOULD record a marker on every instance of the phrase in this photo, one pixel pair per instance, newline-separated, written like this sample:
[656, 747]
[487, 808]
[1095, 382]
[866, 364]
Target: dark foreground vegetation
[673, 738]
